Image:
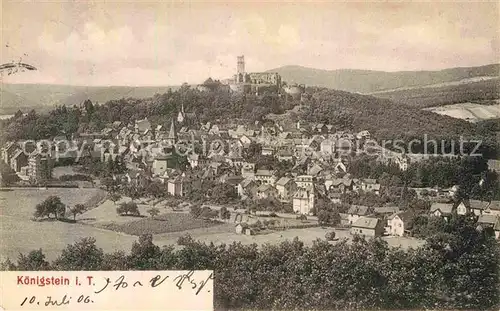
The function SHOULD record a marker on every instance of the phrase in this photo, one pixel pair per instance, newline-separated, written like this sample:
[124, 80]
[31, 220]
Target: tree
[144, 253]
[117, 261]
[134, 193]
[222, 193]
[8, 175]
[77, 209]
[60, 211]
[109, 183]
[329, 217]
[89, 107]
[153, 212]
[206, 212]
[195, 211]
[115, 197]
[224, 213]
[51, 205]
[82, 255]
[34, 261]
[156, 189]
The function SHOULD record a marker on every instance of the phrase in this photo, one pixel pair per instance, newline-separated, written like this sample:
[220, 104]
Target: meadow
[19, 234]
[469, 111]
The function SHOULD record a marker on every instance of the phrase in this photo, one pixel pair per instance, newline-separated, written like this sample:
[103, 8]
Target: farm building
[490, 222]
[368, 226]
[441, 209]
[240, 228]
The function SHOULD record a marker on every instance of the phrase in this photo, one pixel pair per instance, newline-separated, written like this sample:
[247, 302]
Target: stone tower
[240, 69]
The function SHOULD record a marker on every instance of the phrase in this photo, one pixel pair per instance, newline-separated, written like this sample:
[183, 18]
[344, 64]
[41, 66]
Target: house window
[360, 231]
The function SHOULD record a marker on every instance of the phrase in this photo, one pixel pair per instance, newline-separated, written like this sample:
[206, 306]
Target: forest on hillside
[383, 118]
[368, 81]
[387, 120]
[476, 92]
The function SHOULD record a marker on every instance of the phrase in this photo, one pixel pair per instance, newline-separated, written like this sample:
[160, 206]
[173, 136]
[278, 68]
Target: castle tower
[240, 69]
[241, 65]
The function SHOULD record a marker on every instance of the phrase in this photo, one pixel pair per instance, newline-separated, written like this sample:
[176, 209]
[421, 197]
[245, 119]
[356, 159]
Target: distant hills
[45, 96]
[416, 88]
[368, 81]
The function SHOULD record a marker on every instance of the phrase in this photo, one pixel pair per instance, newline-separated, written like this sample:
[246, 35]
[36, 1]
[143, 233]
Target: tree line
[457, 268]
[471, 174]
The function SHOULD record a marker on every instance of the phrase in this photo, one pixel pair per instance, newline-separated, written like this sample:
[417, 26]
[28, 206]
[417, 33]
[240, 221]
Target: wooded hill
[368, 81]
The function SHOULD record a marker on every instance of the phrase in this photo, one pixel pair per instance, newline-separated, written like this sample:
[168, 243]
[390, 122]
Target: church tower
[172, 134]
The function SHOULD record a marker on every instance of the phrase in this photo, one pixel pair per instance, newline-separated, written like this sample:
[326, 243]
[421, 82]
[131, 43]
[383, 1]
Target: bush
[301, 217]
[154, 212]
[76, 177]
[185, 239]
[129, 208]
[273, 214]
[330, 236]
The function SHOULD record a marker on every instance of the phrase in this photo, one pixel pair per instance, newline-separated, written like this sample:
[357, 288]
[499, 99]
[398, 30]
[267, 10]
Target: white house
[159, 165]
[303, 201]
[267, 151]
[327, 146]
[398, 223]
[245, 140]
[265, 176]
[402, 161]
[304, 181]
[248, 170]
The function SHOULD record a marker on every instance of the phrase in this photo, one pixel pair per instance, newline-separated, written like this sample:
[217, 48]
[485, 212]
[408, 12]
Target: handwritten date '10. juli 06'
[185, 280]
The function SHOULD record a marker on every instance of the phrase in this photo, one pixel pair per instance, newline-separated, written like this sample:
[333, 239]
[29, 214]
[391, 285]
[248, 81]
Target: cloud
[162, 44]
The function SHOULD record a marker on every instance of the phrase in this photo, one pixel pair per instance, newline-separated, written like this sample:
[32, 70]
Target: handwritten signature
[181, 280]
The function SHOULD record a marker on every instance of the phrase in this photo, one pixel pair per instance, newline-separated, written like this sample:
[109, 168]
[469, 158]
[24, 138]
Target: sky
[167, 43]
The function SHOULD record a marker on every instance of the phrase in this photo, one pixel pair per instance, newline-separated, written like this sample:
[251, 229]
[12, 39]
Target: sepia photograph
[232, 155]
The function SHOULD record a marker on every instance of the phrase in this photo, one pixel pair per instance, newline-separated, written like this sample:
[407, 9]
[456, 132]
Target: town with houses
[310, 167]
[250, 156]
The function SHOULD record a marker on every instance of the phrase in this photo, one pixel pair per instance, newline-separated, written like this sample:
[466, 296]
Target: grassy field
[18, 234]
[469, 111]
[422, 97]
[63, 170]
[169, 222]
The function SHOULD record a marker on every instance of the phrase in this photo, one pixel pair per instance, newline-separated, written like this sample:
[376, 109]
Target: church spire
[172, 134]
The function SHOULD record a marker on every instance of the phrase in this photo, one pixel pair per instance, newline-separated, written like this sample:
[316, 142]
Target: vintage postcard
[237, 155]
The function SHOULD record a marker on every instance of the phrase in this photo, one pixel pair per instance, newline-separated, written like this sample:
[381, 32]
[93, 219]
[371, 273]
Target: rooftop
[366, 222]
